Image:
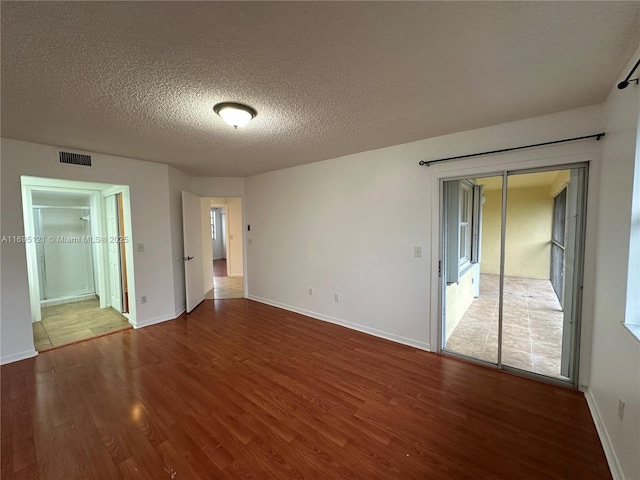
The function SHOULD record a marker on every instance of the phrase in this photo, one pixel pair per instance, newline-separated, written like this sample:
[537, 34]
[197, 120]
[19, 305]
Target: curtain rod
[427, 163]
[625, 83]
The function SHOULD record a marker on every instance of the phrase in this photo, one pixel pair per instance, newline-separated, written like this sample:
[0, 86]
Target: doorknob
[186, 259]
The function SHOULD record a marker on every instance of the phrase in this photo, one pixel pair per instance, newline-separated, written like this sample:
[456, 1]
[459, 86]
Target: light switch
[140, 247]
[417, 252]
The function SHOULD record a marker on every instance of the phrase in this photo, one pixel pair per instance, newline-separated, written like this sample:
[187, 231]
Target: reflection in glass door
[511, 269]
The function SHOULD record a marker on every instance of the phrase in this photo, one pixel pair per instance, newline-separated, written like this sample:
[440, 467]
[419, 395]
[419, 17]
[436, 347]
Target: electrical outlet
[621, 405]
[310, 291]
[336, 297]
[143, 299]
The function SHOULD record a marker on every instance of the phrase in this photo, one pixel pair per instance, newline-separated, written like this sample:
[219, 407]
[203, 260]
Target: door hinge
[439, 268]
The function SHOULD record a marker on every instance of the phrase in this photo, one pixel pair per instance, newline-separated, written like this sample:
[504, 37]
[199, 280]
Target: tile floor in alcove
[532, 325]
[76, 321]
[226, 287]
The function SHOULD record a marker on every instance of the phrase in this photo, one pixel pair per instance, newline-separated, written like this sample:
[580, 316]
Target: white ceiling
[139, 79]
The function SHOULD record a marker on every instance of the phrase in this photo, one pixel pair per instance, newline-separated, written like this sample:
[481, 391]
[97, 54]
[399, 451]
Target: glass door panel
[511, 288]
[537, 331]
[471, 266]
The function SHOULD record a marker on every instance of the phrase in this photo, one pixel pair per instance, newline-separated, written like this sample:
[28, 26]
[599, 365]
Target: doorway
[198, 234]
[226, 248]
[68, 258]
[512, 269]
[218, 217]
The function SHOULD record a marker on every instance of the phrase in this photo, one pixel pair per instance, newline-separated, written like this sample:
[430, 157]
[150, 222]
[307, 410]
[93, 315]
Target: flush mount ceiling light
[235, 114]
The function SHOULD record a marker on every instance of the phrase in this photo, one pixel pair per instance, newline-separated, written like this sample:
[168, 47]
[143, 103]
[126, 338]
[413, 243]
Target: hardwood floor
[239, 390]
[220, 268]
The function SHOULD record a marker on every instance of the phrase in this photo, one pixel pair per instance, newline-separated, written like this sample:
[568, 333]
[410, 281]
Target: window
[462, 217]
[214, 234]
[466, 204]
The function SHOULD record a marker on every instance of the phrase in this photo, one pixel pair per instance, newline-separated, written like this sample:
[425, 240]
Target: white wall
[223, 232]
[217, 243]
[615, 360]
[68, 266]
[349, 225]
[150, 221]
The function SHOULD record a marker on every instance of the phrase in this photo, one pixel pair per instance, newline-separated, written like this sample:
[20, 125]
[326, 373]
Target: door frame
[95, 207]
[223, 207]
[437, 291]
[96, 190]
[128, 248]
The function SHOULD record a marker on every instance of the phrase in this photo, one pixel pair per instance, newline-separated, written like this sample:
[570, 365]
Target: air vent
[75, 159]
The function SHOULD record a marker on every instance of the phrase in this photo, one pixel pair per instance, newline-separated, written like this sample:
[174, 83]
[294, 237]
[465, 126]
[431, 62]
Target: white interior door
[113, 254]
[191, 230]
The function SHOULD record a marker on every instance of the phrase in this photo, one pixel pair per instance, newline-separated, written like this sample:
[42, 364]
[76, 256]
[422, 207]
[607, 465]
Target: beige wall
[559, 182]
[528, 247]
[459, 297]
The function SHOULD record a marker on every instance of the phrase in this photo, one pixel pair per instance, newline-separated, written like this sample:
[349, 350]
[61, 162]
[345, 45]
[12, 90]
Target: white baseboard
[609, 452]
[14, 357]
[154, 321]
[353, 326]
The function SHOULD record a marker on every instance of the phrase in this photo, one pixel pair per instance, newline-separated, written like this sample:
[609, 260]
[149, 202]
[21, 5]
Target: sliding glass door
[512, 268]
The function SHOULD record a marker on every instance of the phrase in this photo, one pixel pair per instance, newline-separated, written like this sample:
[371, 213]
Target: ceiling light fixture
[235, 114]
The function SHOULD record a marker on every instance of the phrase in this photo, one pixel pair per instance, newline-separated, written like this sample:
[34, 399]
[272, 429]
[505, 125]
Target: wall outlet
[143, 299]
[310, 291]
[336, 297]
[621, 405]
[417, 252]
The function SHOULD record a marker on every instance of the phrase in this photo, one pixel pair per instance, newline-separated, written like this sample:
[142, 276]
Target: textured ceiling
[139, 79]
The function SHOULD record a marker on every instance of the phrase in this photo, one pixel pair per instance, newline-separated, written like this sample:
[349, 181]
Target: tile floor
[72, 322]
[226, 287]
[532, 325]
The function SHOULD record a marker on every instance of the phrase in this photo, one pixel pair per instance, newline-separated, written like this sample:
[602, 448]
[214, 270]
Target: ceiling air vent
[75, 159]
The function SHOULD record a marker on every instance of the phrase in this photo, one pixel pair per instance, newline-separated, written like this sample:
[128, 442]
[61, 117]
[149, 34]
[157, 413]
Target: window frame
[463, 224]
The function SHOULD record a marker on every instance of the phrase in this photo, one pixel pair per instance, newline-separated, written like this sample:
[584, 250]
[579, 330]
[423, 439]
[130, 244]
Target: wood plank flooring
[220, 268]
[240, 390]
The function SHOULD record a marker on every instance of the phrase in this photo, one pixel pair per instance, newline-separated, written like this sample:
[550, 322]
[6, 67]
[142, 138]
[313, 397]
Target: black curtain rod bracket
[427, 163]
[625, 83]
